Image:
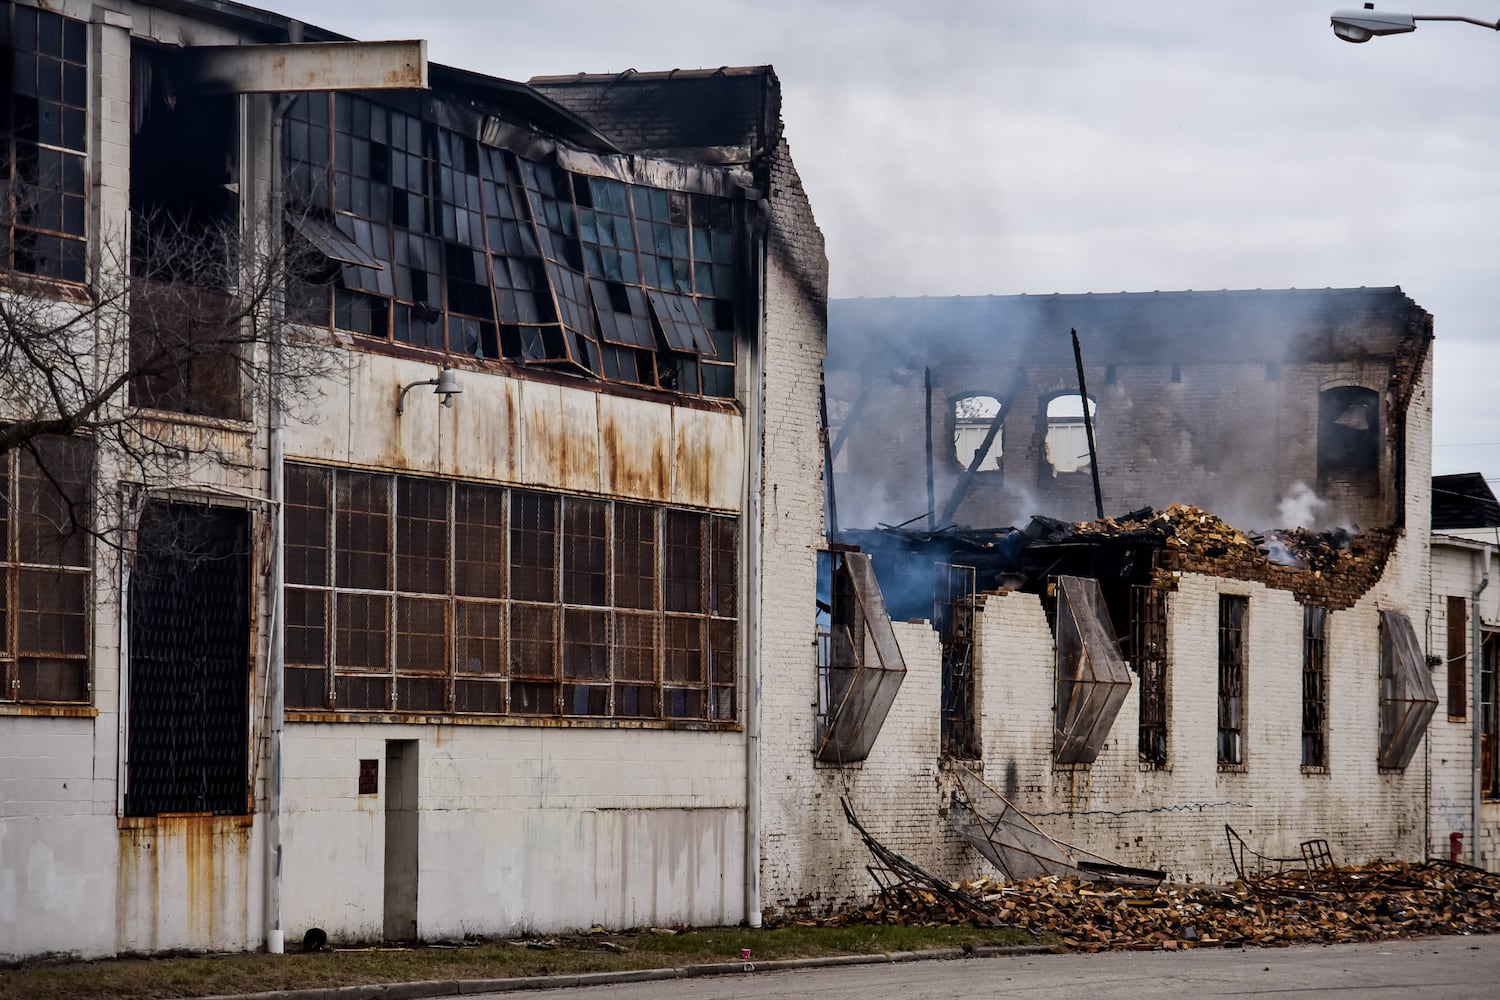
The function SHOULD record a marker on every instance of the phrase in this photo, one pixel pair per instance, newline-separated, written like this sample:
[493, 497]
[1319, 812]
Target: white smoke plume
[1299, 508]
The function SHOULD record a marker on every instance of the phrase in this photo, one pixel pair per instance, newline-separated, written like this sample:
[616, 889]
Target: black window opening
[1489, 716]
[44, 571]
[1148, 657]
[1348, 433]
[1315, 687]
[1457, 609]
[434, 240]
[1232, 662]
[189, 666]
[44, 143]
[421, 595]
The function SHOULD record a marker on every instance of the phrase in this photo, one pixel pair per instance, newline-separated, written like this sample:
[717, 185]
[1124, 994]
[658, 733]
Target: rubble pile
[1380, 900]
[1330, 568]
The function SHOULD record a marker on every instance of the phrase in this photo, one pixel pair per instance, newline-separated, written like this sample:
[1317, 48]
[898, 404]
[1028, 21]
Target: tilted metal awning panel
[1092, 678]
[1004, 835]
[1407, 697]
[862, 694]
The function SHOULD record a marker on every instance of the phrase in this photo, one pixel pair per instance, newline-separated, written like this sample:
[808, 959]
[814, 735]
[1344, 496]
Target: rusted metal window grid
[494, 600]
[1148, 654]
[1314, 687]
[44, 572]
[1232, 610]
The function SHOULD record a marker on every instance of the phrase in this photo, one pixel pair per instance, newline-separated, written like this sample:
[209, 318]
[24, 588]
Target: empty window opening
[953, 617]
[1314, 687]
[1349, 431]
[977, 439]
[190, 627]
[1458, 657]
[1407, 697]
[1148, 655]
[859, 663]
[1067, 436]
[1232, 610]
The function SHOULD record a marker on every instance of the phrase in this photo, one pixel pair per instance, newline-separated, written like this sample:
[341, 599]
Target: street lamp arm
[1492, 25]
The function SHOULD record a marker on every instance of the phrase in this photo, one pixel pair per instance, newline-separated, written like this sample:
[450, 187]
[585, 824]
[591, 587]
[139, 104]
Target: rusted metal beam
[307, 66]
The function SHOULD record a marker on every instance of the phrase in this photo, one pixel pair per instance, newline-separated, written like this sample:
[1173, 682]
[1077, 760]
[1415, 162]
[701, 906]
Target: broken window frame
[953, 616]
[44, 510]
[1054, 424]
[1314, 689]
[964, 434]
[1234, 613]
[532, 628]
[1148, 656]
[1091, 679]
[49, 209]
[859, 662]
[1408, 699]
[530, 223]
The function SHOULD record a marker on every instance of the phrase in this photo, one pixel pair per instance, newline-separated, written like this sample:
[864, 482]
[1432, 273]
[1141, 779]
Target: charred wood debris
[1273, 902]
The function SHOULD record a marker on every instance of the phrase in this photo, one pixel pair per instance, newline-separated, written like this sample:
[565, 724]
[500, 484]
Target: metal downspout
[754, 414]
[1476, 664]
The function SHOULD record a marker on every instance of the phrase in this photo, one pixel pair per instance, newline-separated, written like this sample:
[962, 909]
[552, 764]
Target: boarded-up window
[1458, 657]
[44, 571]
[417, 595]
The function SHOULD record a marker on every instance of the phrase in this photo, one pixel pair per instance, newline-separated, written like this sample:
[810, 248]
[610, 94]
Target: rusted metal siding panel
[707, 459]
[483, 442]
[634, 436]
[559, 437]
[303, 66]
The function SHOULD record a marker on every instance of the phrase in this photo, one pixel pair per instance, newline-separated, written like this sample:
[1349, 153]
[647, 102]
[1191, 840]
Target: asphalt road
[1450, 967]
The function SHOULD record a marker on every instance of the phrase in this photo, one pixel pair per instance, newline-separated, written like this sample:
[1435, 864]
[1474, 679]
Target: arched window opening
[1348, 431]
[1067, 437]
[972, 418]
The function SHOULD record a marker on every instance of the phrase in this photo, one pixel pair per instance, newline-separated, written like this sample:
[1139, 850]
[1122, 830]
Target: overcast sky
[994, 146]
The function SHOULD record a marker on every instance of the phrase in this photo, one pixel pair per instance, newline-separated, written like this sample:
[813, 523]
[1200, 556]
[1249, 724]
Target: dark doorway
[189, 701]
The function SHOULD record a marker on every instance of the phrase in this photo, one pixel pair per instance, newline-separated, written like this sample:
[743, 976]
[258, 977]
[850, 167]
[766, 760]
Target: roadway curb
[468, 987]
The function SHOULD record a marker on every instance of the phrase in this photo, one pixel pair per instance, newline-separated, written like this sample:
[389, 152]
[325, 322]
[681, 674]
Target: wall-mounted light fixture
[445, 385]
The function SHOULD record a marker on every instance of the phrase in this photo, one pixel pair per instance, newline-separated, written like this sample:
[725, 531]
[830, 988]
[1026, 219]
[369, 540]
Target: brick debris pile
[1330, 568]
[1370, 902]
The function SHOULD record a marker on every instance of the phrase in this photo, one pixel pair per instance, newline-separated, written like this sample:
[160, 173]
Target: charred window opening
[1067, 437]
[437, 241]
[1148, 655]
[1407, 697]
[953, 617]
[1489, 716]
[1315, 687]
[426, 596]
[185, 350]
[976, 445]
[860, 667]
[1458, 657]
[1232, 662]
[43, 144]
[1092, 679]
[190, 626]
[44, 571]
[1348, 432]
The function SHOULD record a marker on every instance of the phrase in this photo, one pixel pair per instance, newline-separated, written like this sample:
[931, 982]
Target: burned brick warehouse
[402, 486]
[1231, 631]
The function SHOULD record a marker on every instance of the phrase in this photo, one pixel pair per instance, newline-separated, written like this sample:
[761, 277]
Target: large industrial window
[1407, 697]
[1232, 610]
[1489, 716]
[1314, 687]
[1148, 655]
[438, 241]
[420, 595]
[44, 576]
[43, 143]
[1458, 657]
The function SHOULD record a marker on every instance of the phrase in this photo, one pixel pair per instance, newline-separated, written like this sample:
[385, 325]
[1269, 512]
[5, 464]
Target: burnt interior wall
[1212, 399]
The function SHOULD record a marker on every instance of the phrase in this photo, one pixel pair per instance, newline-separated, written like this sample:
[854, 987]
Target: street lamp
[1363, 25]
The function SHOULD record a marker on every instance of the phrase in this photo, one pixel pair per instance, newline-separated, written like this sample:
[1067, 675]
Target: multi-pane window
[1314, 687]
[421, 595]
[436, 240]
[43, 143]
[44, 575]
[1232, 608]
[1148, 655]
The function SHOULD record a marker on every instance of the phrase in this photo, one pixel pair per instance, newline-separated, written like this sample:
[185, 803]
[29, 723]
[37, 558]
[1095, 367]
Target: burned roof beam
[961, 488]
[306, 66]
